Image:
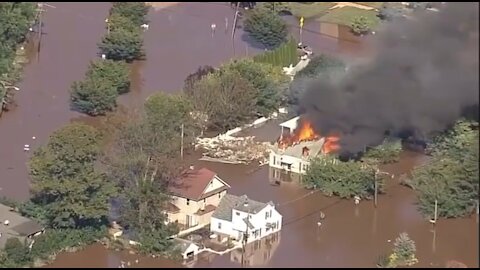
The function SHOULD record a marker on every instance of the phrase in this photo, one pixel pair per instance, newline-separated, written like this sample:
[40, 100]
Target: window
[219, 225]
[205, 200]
[238, 213]
[188, 201]
[266, 215]
[219, 195]
[274, 160]
[249, 216]
[270, 215]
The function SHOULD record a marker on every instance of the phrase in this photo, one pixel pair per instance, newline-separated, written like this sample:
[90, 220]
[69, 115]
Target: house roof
[291, 124]
[193, 184]
[314, 148]
[18, 226]
[231, 202]
[182, 244]
[208, 208]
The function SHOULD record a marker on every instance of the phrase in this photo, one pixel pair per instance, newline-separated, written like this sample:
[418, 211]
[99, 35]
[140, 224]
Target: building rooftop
[193, 183]
[182, 244]
[231, 202]
[18, 226]
[314, 148]
[291, 124]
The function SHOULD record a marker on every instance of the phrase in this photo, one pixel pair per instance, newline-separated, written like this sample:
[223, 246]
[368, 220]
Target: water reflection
[258, 253]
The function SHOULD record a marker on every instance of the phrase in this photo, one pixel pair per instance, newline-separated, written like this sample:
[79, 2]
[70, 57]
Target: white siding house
[295, 158]
[237, 217]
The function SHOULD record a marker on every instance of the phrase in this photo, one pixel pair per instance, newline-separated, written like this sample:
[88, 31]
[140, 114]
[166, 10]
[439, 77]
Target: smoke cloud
[422, 76]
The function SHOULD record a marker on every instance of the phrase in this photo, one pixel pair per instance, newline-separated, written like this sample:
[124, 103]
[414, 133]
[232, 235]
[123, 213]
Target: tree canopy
[226, 98]
[122, 44]
[136, 12]
[65, 182]
[269, 82]
[266, 27]
[452, 176]
[344, 179]
[142, 160]
[98, 92]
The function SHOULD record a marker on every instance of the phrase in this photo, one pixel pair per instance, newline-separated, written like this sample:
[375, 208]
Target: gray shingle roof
[231, 202]
[314, 148]
[182, 244]
[18, 226]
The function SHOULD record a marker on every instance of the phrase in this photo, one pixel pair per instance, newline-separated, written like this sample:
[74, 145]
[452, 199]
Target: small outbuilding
[187, 248]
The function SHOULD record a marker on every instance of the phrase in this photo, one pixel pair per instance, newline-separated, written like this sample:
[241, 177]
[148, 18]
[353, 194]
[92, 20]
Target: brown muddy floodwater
[178, 41]
[350, 236]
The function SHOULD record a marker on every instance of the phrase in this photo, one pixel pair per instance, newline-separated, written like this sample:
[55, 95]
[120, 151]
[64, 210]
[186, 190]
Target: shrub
[387, 152]
[360, 25]
[56, 240]
[404, 250]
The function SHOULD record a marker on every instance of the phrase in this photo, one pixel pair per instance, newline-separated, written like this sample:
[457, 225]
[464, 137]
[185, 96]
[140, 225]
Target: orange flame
[305, 132]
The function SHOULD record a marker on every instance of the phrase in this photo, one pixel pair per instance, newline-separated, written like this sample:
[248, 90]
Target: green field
[312, 10]
[344, 16]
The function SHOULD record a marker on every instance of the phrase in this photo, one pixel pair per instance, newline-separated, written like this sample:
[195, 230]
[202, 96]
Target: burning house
[298, 144]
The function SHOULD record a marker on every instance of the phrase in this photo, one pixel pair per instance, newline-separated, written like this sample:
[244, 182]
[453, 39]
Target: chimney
[6, 222]
[305, 151]
[245, 203]
[192, 167]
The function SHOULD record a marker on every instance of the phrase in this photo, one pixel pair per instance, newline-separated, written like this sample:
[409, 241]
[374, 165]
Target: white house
[295, 158]
[239, 216]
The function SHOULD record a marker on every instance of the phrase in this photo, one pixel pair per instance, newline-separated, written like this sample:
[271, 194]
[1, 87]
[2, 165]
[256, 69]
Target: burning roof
[304, 132]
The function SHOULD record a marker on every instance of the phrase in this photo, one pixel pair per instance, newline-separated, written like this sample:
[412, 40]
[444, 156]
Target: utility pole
[235, 20]
[376, 190]
[436, 210]
[234, 25]
[244, 241]
[181, 142]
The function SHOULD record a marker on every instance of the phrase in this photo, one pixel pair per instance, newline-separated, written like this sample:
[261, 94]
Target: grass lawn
[344, 16]
[312, 10]
[371, 4]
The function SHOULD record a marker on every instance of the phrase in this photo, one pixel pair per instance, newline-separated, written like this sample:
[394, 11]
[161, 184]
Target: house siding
[258, 220]
[275, 161]
[192, 207]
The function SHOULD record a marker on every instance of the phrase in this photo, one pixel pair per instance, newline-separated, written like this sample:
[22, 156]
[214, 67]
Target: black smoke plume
[423, 75]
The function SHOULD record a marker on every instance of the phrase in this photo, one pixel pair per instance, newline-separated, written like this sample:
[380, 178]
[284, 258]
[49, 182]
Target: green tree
[115, 72]
[275, 7]
[195, 77]
[344, 179]
[136, 12]
[320, 65]
[387, 152]
[118, 22]
[64, 179]
[269, 82]
[360, 25]
[404, 250]
[15, 20]
[16, 251]
[142, 160]
[93, 96]
[226, 98]
[452, 176]
[122, 44]
[266, 27]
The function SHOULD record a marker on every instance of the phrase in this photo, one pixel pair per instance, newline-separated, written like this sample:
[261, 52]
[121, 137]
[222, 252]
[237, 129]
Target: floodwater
[178, 41]
[349, 236]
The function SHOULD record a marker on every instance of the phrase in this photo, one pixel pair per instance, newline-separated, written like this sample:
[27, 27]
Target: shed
[187, 248]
